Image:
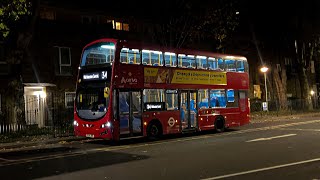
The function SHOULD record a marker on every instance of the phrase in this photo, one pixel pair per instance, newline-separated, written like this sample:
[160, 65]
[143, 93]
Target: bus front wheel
[154, 130]
[219, 125]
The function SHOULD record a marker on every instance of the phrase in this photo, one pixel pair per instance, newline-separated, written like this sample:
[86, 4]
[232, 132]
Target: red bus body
[136, 80]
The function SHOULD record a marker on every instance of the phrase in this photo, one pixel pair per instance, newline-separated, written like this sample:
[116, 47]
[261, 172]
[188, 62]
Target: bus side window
[221, 65]
[123, 59]
[130, 56]
[240, 66]
[182, 61]
[156, 58]
[124, 55]
[230, 65]
[134, 56]
[201, 62]
[170, 59]
[203, 98]
[152, 58]
[217, 98]
[232, 98]
[212, 63]
[146, 57]
[153, 96]
[191, 61]
[172, 99]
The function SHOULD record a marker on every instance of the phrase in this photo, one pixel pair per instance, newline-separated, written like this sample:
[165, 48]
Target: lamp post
[264, 69]
[313, 98]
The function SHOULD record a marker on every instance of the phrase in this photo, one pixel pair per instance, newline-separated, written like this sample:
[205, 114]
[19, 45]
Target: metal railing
[293, 106]
[38, 116]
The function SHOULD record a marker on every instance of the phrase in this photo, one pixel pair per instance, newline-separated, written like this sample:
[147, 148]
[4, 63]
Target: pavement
[38, 142]
[49, 140]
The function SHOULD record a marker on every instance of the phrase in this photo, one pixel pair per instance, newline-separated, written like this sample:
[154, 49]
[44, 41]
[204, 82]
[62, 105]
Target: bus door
[130, 113]
[244, 106]
[188, 109]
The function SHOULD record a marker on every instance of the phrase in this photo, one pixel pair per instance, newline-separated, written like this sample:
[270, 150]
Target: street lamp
[312, 92]
[264, 69]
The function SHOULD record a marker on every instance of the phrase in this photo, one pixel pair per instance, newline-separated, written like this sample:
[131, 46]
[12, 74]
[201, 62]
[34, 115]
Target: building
[49, 71]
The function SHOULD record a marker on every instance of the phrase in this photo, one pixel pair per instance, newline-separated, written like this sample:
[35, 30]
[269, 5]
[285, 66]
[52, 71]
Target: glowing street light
[312, 92]
[264, 69]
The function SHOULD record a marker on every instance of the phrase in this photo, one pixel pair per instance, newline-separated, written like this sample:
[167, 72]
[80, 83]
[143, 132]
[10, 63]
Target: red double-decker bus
[127, 89]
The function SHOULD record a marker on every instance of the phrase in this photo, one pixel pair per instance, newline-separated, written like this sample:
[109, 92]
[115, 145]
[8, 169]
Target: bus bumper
[101, 133]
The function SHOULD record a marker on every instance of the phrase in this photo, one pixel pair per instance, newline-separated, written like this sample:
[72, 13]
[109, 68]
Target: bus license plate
[90, 135]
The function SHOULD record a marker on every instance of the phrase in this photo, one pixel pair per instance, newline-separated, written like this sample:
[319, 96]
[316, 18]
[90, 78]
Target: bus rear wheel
[219, 125]
[154, 130]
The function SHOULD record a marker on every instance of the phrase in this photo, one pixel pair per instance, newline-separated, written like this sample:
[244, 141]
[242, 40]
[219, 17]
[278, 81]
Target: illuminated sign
[103, 75]
[169, 91]
[154, 106]
[199, 77]
[162, 75]
[91, 76]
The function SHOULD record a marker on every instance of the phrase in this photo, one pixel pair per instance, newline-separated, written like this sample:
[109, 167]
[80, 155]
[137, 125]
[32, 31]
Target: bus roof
[100, 41]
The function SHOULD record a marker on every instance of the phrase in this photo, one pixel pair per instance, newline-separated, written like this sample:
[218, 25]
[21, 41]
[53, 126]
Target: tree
[184, 22]
[280, 81]
[11, 11]
[220, 22]
[305, 51]
[16, 28]
[306, 45]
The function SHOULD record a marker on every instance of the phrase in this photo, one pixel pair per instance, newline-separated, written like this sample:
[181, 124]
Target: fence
[294, 106]
[37, 116]
[53, 116]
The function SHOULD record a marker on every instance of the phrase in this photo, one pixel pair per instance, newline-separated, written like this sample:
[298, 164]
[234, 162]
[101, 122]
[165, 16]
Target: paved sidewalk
[260, 118]
[40, 141]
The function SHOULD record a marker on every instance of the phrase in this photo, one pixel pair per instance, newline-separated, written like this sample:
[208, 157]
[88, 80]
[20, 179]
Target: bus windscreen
[100, 53]
[92, 102]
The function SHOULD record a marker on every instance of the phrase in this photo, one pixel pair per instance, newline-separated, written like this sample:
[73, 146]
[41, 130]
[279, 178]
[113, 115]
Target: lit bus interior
[169, 59]
[206, 99]
[98, 54]
[104, 53]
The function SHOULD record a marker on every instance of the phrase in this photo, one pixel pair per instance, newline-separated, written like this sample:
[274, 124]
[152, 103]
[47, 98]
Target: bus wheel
[154, 130]
[219, 125]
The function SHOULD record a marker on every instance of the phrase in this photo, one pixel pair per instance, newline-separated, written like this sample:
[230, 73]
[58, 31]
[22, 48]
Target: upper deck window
[130, 56]
[212, 63]
[240, 65]
[221, 65]
[101, 53]
[152, 58]
[230, 65]
[186, 61]
[170, 59]
[202, 62]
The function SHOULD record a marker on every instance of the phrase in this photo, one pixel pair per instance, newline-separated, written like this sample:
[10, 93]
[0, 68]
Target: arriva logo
[128, 80]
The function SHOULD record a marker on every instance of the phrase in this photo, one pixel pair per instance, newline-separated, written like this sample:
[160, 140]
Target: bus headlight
[106, 125]
[75, 123]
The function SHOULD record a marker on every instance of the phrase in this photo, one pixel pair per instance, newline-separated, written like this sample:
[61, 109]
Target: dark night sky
[268, 16]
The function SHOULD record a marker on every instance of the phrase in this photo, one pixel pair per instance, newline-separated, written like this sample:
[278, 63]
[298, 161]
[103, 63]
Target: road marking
[204, 137]
[7, 160]
[263, 169]
[294, 129]
[270, 138]
[40, 158]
